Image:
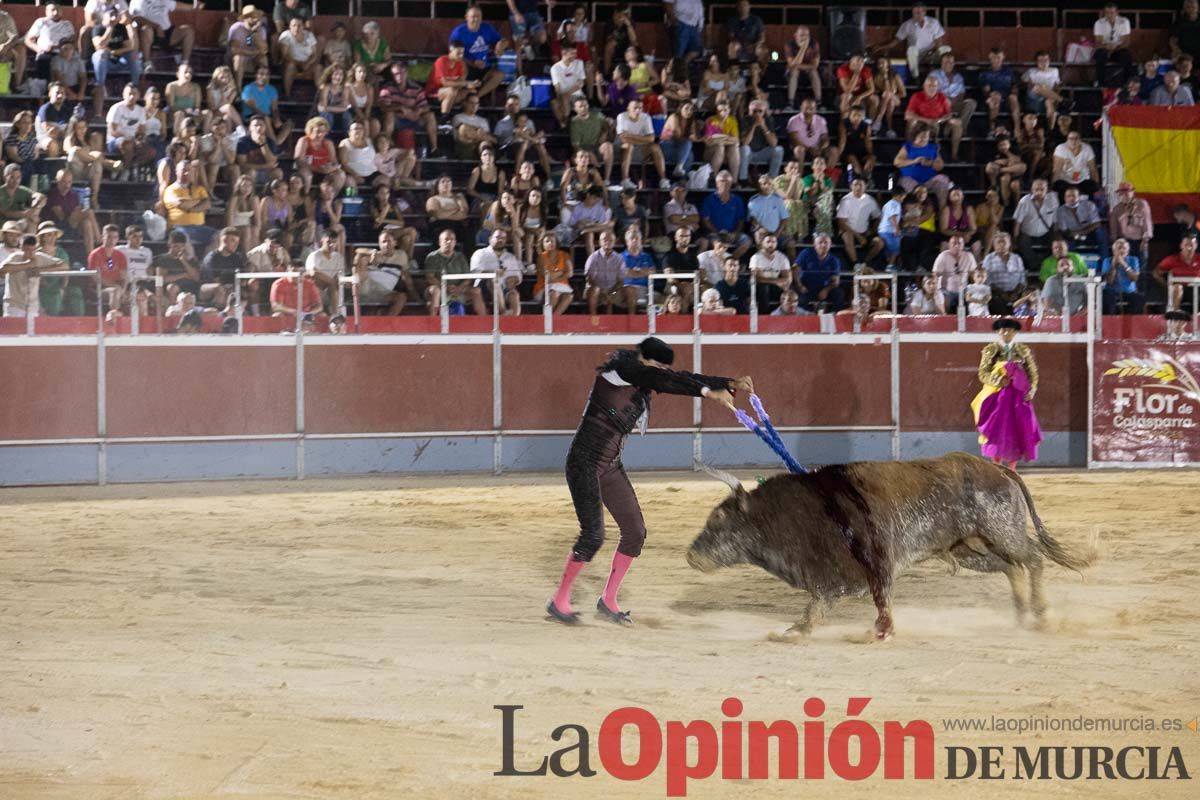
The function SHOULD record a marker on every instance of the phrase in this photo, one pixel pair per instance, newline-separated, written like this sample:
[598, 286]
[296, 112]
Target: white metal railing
[892, 278]
[476, 278]
[652, 313]
[1173, 281]
[31, 319]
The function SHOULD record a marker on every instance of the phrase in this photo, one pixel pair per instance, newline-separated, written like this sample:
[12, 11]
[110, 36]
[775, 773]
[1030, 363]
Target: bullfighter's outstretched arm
[667, 381]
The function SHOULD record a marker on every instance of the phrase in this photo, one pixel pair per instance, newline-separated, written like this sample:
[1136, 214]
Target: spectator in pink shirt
[809, 134]
[1129, 219]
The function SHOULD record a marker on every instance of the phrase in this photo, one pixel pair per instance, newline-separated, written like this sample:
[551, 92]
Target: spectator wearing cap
[56, 296]
[1172, 92]
[481, 44]
[759, 144]
[1111, 34]
[1120, 272]
[1184, 264]
[248, 44]
[922, 37]
[21, 281]
[1129, 219]
[153, 18]
[1078, 220]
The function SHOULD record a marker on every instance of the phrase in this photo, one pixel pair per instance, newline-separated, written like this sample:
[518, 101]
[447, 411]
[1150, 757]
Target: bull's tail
[1050, 546]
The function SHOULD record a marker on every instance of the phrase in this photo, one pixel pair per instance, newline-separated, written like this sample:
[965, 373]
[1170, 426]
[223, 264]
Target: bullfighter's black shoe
[564, 618]
[617, 617]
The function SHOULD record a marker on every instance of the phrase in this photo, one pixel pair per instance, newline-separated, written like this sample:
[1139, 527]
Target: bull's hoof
[794, 634]
[884, 629]
[1041, 623]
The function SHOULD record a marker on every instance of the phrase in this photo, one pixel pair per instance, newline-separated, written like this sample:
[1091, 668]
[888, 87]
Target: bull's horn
[724, 477]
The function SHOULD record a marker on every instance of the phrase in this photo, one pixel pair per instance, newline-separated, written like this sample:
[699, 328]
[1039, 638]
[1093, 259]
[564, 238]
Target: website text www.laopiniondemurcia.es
[853, 749]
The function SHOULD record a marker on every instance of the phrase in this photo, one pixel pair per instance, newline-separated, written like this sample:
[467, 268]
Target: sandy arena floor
[349, 639]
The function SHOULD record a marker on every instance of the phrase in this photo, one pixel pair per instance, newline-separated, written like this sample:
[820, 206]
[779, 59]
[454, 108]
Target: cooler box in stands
[541, 91]
[658, 121]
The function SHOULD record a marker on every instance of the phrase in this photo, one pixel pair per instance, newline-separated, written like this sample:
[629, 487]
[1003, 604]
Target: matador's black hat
[1006, 322]
[656, 349]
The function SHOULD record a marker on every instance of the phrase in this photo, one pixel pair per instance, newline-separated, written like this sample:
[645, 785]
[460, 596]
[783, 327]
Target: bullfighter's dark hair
[1006, 323]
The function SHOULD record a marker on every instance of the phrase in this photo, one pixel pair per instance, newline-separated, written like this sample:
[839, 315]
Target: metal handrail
[652, 314]
[472, 276]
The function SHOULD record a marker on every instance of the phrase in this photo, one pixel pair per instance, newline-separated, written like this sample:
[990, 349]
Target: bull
[854, 528]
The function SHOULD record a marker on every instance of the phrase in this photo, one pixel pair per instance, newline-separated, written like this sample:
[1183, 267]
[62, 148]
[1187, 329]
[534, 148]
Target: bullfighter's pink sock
[620, 565]
[562, 598]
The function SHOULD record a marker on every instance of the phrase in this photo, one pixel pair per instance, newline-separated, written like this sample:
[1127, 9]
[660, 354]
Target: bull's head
[723, 541]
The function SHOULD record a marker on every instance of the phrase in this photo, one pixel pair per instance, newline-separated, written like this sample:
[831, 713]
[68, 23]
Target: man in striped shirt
[406, 110]
[605, 273]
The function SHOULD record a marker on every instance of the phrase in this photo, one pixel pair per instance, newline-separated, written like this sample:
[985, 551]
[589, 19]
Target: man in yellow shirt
[186, 206]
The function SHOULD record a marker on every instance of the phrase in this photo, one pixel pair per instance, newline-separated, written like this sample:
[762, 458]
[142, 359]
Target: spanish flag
[1157, 149]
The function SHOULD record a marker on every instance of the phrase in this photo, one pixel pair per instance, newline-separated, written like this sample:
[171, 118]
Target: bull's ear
[743, 499]
[724, 477]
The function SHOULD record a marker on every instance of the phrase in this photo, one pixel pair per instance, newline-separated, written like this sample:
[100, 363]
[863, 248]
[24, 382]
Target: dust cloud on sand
[349, 639]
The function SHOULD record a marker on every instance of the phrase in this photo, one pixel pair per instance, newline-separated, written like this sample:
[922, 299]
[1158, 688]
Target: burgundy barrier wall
[938, 381]
[365, 388]
[49, 392]
[238, 389]
[199, 391]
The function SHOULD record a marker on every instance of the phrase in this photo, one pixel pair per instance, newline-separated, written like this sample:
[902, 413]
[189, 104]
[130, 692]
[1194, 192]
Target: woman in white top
[1075, 165]
[357, 155]
[928, 300]
[362, 99]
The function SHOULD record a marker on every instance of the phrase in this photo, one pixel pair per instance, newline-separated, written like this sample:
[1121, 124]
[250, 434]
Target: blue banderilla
[766, 431]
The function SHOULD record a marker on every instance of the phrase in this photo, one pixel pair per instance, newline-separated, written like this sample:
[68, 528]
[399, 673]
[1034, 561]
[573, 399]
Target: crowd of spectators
[672, 165]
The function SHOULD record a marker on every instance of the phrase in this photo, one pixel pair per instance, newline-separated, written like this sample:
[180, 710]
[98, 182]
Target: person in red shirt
[112, 266]
[283, 298]
[1186, 264]
[448, 82]
[857, 84]
[931, 107]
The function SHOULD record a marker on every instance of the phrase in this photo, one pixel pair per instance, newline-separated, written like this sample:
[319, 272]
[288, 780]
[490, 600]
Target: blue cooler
[659, 121]
[541, 91]
[506, 62]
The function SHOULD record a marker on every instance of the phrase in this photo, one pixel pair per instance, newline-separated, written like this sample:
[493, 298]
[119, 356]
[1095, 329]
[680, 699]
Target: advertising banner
[1146, 404]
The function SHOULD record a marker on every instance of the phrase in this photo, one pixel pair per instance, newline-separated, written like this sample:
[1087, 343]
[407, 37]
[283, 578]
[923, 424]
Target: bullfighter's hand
[723, 397]
[744, 384]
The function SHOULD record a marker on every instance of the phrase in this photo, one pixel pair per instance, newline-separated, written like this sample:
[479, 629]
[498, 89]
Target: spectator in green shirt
[446, 260]
[1058, 249]
[590, 130]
